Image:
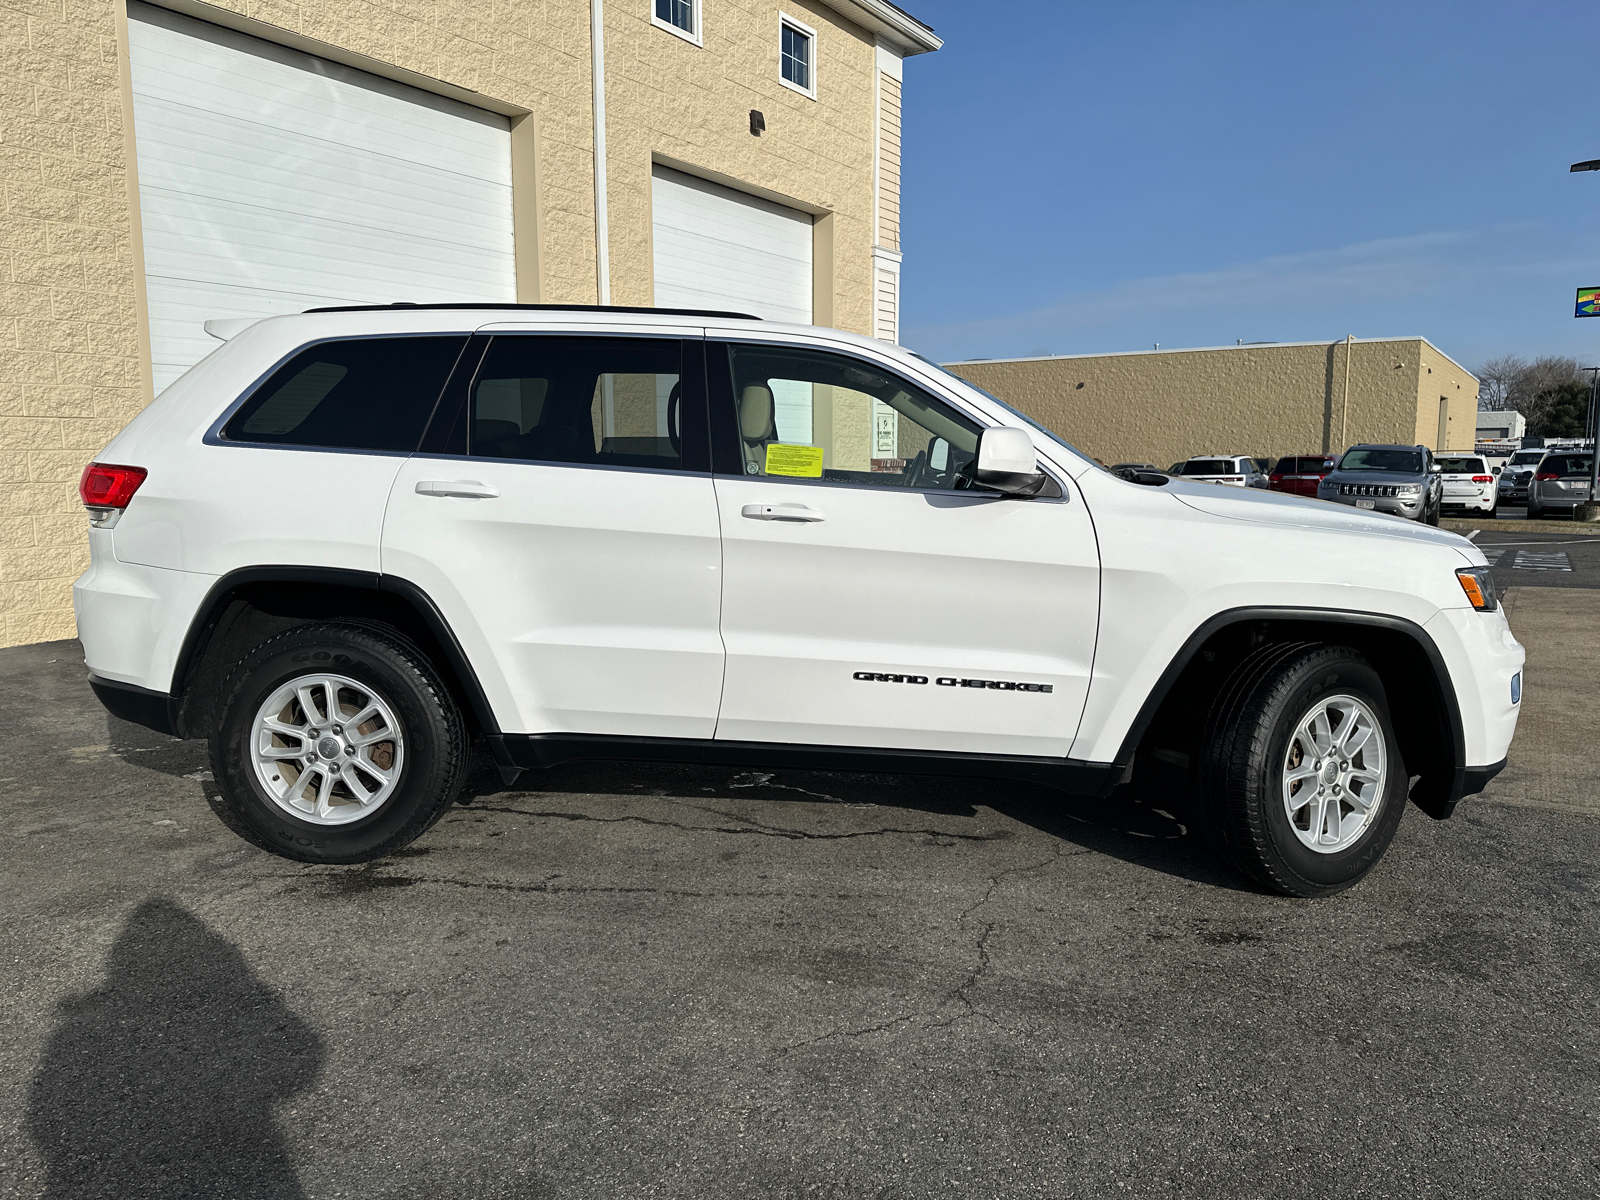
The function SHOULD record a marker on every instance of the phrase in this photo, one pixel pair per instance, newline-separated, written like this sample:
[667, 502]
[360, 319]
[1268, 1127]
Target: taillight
[1274, 478]
[1545, 476]
[1483, 479]
[105, 490]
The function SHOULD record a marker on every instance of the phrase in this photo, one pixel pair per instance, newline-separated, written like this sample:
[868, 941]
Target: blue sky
[1087, 177]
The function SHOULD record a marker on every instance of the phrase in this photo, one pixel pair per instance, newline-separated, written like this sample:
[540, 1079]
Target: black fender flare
[419, 601]
[1435, 796]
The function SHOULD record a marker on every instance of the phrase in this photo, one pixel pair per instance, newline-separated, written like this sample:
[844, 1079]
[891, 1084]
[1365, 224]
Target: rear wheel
[1300, 780]
[336, 744]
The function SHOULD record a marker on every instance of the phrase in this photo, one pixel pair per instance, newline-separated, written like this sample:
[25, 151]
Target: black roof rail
[609, 308]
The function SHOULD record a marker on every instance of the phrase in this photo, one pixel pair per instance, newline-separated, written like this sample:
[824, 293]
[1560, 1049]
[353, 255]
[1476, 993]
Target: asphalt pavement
[621, 980]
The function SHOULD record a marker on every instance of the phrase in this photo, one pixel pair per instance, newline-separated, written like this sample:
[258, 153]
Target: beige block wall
[1265, 401]
[72, 368]
[1440, 379]
[690, 106]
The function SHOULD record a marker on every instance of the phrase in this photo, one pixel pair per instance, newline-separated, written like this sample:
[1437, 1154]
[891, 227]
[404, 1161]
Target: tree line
[1552, 393]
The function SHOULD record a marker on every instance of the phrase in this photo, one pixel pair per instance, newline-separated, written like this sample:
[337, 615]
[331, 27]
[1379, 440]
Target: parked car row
[1406, 481]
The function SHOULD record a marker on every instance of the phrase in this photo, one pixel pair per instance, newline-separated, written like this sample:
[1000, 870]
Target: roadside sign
[1588, 302]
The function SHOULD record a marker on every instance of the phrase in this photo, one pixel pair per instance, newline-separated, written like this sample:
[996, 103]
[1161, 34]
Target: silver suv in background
[1401, 480]
[1561, 483]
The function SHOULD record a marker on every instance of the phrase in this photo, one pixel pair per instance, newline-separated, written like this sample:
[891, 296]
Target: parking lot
[623, 980]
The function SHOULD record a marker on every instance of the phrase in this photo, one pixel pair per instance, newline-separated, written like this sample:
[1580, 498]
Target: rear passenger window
[363, 394]
[591, 400]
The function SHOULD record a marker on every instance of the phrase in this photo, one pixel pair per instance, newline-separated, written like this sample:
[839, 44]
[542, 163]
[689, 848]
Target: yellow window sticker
[803, 461]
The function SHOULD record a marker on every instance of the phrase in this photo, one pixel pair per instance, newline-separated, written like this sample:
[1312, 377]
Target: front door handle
[782, 512]
[470, 488]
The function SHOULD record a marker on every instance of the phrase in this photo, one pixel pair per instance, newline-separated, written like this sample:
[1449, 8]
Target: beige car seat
[758, 426]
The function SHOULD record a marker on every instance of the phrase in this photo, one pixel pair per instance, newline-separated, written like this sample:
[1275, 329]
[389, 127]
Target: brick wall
[1264, 401]
[70, 366]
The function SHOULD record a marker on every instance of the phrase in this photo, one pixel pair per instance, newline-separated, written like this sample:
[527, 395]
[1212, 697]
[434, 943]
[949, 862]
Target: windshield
[1525, 458]
[1462, 466]
[1398, 462]
[1016, 412]
[1210, 466]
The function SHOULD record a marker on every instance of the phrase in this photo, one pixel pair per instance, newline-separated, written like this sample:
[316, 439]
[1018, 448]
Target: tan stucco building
[168, 165]
[1160, 406]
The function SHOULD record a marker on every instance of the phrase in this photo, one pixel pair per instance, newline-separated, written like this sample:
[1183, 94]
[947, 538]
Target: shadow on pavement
[165, 1081]
[1137, 823]
[141, 747]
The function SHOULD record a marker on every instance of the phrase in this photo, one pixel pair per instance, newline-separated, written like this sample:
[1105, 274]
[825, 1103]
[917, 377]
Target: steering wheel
[674, 407]
[919, 474]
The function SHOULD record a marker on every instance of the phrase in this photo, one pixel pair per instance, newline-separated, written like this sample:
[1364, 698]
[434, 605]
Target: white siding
[886, 303]
[271, 181]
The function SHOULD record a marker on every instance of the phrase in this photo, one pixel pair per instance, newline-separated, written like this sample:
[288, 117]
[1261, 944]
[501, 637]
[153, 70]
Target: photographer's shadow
[166, 1080]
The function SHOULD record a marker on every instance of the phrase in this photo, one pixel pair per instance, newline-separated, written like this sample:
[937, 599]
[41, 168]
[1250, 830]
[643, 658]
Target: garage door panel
[718, 248]
[225, 156]
[272, 181]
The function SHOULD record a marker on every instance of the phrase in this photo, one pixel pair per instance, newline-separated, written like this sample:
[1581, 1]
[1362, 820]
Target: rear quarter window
[361, 394]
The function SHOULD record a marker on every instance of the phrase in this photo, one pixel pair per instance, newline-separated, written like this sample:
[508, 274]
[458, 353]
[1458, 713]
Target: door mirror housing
[1007, 462]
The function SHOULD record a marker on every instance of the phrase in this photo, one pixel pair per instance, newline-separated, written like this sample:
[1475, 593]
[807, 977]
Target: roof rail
[616, 308]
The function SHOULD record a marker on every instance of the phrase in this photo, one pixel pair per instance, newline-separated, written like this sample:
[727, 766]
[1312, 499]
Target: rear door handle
[782, 512]
[470, 488]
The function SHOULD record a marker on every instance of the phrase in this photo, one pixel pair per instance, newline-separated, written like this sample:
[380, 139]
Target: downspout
[1344, 413]
[602, 223]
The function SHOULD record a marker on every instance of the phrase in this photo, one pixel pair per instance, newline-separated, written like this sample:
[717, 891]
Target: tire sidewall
[425, 767]
[1330, 871]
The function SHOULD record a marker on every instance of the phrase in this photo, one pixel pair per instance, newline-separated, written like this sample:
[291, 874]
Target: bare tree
[1536, 389]
[1496, 378]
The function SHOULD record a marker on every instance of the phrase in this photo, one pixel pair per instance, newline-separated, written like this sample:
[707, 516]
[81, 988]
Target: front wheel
[1300, 778]
[337, 743]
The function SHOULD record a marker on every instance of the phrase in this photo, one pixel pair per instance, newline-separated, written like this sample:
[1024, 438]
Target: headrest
[756, 413]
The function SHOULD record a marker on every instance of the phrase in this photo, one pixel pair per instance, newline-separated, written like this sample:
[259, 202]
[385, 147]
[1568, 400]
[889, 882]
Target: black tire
[435, 741]
[1246, 741]
[1494, 513]
[1431, 514]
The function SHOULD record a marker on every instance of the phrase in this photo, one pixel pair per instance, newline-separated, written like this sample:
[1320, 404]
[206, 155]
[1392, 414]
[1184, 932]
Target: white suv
[349, 542]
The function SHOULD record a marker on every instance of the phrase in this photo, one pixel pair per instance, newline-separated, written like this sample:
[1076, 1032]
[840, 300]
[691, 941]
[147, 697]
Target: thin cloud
[1442, 266]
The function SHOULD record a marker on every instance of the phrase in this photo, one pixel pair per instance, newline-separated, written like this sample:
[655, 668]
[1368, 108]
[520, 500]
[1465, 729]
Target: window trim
[696, 37]
[784, 19]
[452, 412]
[721, 457]
[213, 434]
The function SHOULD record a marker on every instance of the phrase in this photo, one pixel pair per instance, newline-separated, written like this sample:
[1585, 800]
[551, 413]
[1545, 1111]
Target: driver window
[602, 401]
[803, 414]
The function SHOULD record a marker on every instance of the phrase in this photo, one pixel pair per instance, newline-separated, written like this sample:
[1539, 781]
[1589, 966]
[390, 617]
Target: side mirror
[1007, 462]
[1497, 470]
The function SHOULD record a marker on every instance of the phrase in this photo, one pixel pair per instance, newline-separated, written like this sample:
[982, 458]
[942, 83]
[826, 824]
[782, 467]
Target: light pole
[1591, 511]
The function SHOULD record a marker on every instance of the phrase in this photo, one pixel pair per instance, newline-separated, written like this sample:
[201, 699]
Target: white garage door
[271, 181]
[718, 248]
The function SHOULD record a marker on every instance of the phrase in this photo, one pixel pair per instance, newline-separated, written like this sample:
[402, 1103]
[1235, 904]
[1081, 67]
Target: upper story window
[681, 17]
[798, 56]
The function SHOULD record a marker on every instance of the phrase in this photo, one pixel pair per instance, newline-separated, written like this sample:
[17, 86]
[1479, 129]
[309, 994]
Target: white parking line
[1527, 560]
[1473, 534]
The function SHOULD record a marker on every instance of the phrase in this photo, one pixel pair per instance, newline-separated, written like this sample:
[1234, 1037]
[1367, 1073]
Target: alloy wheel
[1334, 774]
[327, 749]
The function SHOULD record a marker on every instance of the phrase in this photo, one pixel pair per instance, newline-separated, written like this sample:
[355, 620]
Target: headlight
[1478, 584]
[1407, 489]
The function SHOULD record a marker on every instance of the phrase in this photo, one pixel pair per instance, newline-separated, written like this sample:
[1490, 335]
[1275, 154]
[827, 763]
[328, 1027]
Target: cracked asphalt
[622, 980]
